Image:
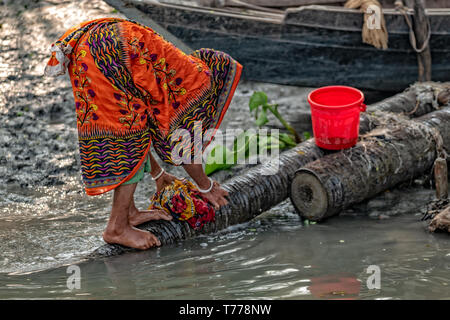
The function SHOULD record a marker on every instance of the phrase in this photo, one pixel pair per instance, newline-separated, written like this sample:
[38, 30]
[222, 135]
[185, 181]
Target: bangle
[158, 175]
[206, 190]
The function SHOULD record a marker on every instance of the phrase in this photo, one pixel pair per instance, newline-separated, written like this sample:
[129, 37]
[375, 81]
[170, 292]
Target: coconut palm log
[384, 158]
[256, 191]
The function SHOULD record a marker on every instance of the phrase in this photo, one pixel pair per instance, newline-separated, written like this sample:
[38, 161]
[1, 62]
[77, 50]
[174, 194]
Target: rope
[399, 6]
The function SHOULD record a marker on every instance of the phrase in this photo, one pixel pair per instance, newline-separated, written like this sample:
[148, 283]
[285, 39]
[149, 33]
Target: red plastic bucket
[335, 116]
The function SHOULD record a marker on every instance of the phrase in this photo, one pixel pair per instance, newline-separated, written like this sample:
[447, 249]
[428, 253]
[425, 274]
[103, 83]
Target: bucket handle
[363, 107]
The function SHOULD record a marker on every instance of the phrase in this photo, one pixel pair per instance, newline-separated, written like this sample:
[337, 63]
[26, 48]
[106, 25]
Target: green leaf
[262, 118]
[210, 168]
[306, 135]
[220, 154]
[242, 143]
[268, 142]
[258, 98]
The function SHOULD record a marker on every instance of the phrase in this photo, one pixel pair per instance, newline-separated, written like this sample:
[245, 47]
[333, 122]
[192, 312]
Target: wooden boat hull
[308, 46]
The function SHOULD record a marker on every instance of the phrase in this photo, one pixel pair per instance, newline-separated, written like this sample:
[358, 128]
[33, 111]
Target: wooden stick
[441, 178]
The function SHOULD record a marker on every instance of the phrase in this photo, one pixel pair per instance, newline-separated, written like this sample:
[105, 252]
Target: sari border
[230, 95]
[95, 191]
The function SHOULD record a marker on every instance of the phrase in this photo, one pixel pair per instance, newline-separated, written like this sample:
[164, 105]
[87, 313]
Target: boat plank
[311, 65]
[338, 18]
[278, 3]
[210, 20]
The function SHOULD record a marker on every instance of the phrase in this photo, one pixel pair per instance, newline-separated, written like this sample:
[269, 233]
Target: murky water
[273, 256]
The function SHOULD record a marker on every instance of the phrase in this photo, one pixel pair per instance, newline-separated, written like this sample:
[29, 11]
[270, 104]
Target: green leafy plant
[259, 104]
[222, 158]
[224, 154]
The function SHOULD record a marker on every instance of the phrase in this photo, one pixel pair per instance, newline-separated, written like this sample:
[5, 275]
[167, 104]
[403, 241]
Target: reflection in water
[335, 287]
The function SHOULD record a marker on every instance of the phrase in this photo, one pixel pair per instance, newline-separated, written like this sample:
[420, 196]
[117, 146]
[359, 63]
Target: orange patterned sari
[132, 88]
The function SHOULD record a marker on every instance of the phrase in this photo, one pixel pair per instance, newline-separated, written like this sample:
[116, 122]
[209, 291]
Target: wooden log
[434, 207]
[424, 96]
[384, 158]
[255, 192]
[441, 221]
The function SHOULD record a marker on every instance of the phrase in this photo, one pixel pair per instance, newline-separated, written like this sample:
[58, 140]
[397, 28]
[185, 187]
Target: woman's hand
[217, 196]
[165, 180]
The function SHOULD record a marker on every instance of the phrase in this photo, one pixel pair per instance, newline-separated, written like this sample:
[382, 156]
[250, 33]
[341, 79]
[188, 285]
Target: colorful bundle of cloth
[185, 203]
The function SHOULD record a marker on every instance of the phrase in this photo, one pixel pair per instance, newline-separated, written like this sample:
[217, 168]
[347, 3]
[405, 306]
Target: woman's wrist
[203, 182]
[157, 175]
[199, 176]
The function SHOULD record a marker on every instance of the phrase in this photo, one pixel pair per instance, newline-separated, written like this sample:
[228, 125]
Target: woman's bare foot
[119, 229]
[131, 237]
[136, 217]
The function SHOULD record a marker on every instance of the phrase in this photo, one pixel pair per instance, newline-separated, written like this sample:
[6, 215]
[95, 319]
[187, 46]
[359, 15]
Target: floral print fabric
[185, 203]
